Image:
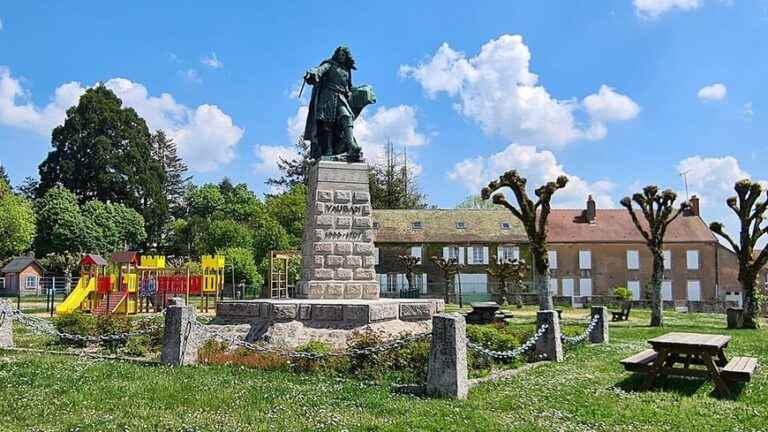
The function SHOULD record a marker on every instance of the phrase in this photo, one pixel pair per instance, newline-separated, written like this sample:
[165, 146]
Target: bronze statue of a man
[334, 106]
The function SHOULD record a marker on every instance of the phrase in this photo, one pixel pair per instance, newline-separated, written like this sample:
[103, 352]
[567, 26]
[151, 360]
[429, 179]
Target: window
[692, 259]
[633, 260]
[694, 290]
[667, 260]
[31, 282]
[416, 225]
[454, 252]
[416, 252]
[461, 225]
[552, 255]
[666, 290]
[585, 260]
[479, 255]
[375, 225]
[567, 287]
[553, 286]
[505, 226]
[508, 252]
[585, 287]
[634, 287]
[473, 283]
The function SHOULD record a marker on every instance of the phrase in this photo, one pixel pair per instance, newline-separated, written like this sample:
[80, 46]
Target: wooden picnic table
[686, 349]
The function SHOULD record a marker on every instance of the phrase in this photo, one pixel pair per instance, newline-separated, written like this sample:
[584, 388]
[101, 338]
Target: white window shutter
[552, 259]
[499, 253]
[461, 255]
[633, 260]
[692, 258]
[667, 260]
[585, 260]
[401, 282]
[446, 252]
[516, 253]
[485, 254]
[376, 255]
[423, 283]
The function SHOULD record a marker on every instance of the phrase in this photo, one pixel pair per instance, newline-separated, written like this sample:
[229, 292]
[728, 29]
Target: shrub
[137, 346]
[217, 352]
[113, 324]
[76, 323]
[308, 364]
[622, 293]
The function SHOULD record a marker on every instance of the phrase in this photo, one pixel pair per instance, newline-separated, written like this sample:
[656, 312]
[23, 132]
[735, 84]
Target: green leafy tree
[477, 202]
[103, 151]
[205, 201]
[4, 176]
[223, 234]
[269, 235]
[17, 222]
[118, 227]
[244, 266]
[61, 225]
[288, 210]
[240, 203]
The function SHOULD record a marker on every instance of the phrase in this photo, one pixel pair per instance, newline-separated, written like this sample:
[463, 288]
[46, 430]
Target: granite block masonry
[447, 375]
[6, 324]
[181, 338]
[337, 247]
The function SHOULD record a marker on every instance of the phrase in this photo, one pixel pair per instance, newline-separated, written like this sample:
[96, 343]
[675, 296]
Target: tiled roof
[615, 225]
[484, 226]
[18, 264]
[439, 226]
[125, 257]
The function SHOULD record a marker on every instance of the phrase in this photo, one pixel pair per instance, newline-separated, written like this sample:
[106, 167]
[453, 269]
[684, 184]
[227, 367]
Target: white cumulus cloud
[206, 136]
[655, 8]
[497, 89]
[714, 92]
[538, 167]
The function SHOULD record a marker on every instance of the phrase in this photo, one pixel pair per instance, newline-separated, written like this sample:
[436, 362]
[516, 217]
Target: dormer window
[505, 226]
[416, 225]
[461, 225]
[375, 225]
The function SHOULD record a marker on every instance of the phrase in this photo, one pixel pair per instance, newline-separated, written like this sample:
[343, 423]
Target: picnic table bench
[691, 349]
[623, 314]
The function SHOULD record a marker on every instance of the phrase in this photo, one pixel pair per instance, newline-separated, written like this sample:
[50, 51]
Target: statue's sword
[303, 81]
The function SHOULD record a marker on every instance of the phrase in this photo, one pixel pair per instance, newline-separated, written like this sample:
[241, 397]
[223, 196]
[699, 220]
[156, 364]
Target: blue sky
[617, 94]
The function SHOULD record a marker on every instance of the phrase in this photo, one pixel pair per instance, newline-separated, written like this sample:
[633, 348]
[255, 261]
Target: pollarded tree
[450, 267]
[658, 211]
[534, 216]
[409, 262]
[750, 212]
[504, 270]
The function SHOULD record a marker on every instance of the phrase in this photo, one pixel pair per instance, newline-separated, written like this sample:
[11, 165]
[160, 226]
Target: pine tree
[294, 171]
[164, 150]
[4, 175]
[391, 183]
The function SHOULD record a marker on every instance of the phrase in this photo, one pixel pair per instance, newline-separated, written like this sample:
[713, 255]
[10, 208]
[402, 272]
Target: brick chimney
[693, 210]
[591, 212]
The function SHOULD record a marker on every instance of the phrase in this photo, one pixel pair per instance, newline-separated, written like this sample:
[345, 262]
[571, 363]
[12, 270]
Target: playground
[130, 284]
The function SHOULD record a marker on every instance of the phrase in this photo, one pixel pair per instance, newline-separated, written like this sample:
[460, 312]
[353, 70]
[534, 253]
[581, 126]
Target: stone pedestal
[447, 375]
[6, 324]
[181, 340]
[600, 332]
[549, 346]
[735, 317]
[337, 248]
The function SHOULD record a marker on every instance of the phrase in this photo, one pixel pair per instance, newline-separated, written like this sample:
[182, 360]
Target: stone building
[592, 251]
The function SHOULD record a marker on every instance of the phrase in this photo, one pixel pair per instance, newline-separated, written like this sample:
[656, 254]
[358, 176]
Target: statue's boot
[326, 141]
[350, 146]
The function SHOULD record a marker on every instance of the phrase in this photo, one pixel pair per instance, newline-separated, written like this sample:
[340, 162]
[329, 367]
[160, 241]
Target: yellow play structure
[142, 281]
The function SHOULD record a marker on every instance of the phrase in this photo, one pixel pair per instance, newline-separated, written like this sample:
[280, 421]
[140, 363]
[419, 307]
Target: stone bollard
[549, 346]
[447, 375]
[180, 339]
[600, 331]
[735, 317]
[6, 324]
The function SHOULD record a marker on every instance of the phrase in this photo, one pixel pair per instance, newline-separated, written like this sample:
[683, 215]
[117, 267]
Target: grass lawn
[588, 391]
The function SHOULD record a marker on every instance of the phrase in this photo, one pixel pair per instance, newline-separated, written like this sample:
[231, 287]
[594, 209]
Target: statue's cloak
[310, 128]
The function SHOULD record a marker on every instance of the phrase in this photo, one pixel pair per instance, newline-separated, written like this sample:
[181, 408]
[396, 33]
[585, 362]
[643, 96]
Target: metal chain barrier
[580, 338]
[234, 341]
[508, 355]
[44, 326]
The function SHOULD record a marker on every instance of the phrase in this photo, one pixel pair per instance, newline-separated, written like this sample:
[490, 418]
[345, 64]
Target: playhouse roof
[126, 257]
[93, 259]
[18, 264]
